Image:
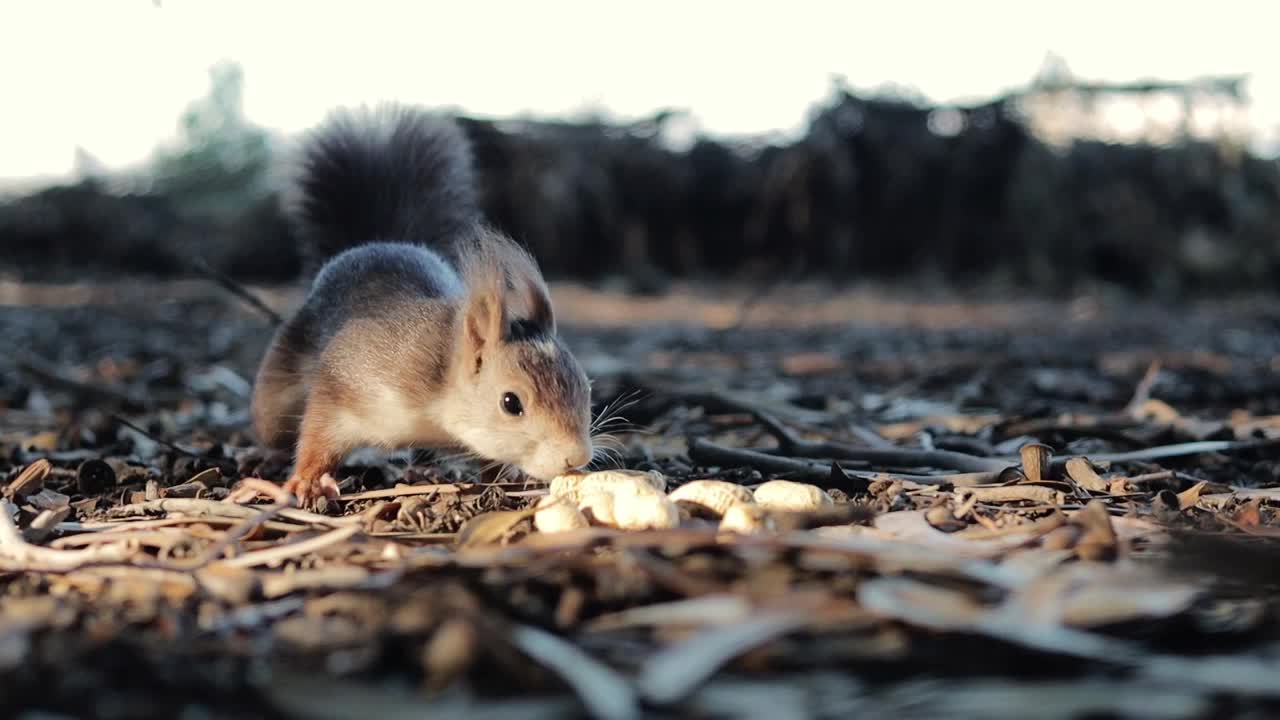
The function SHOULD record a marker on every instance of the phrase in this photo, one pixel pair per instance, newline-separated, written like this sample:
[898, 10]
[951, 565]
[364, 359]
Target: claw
[313, 493]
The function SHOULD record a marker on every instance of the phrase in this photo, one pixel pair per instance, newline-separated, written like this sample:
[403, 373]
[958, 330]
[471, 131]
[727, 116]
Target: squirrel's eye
[511, 404]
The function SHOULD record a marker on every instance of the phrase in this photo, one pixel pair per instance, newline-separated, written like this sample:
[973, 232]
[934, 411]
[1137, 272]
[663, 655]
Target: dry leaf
[942, 518]
[1157, 411]
[1188, 498]
[920, 603]
[1098, 540]
[1081, 471]
[48, 499]
[493, 527]
[46, 441]
[30, 480]
[450, 652]
[1092, 594]
[1249, 515]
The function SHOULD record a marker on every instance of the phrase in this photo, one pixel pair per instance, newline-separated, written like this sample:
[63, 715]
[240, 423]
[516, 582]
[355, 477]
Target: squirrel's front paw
[313, 493]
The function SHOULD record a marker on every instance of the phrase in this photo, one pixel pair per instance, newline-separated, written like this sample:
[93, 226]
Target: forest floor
[1038, 508]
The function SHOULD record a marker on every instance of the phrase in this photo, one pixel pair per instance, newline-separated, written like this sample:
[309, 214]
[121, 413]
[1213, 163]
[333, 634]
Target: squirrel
[424, 326]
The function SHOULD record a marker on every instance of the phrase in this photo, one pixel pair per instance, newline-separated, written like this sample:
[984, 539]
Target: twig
[401, 491]
[132, 529]
[1142, 392]
[17, 555]
[1009, 493]
[236, 289]
[716, 401]
[46, 372]
[186, 506]
[309, 518]
[672, 674]
[604, 692]
[152, 437]
[817, 473]
[1159, 476]
[237, 533]
[1176, 450]
[292, 550]
[349, 577]
[792, 445]
[201, 508]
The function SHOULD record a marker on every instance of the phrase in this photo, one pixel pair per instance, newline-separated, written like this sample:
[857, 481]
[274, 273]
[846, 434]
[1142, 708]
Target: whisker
[454, 457]
[610, 408]
[608, 439]
[611, 415]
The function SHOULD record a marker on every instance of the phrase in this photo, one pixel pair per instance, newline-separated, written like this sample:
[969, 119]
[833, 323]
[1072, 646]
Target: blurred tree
[219, 165]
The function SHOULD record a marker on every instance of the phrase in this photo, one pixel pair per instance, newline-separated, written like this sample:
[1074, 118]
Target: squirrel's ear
[483, 324]
[529, 290]
[539, 302]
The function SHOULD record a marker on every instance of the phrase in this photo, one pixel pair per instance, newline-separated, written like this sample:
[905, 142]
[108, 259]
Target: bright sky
[112, 76]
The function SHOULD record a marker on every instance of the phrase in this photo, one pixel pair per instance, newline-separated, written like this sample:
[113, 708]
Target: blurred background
[1041, 148]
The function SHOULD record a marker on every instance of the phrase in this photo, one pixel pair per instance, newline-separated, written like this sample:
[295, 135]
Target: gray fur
[390, 174]
[369, 281]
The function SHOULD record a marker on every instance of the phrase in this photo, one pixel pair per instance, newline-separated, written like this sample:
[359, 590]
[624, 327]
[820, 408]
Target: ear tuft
[490, 260]
[483, 324]
[539, 301]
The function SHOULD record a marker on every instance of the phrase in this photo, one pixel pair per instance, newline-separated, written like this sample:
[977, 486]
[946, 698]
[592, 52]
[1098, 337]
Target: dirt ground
[1031, 508]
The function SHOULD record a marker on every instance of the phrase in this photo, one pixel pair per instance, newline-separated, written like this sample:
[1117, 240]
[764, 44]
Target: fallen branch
[161, 441]
[281, 553]
[235, 288]
[789, 444]
[670, 675]
[605, 693]
[820, 474]
[1177, 450]
[17, 555]
[42, 370]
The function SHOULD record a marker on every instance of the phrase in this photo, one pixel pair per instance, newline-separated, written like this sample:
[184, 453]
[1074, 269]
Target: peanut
[791, 496]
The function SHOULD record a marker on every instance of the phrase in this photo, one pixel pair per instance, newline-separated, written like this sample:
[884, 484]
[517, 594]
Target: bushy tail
[391, 174]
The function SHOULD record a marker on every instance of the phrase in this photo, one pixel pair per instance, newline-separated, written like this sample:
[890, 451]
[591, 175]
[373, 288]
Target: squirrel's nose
[577, 460]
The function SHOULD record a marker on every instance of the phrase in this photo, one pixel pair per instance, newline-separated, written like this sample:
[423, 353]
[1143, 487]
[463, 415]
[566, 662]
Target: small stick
[1142, 392]
[402, 491]
[1008, 493]
[1176, 450]
[161, 441]
[46, 372]
[792, 445]
[1160, 476]
[819, 474]
[236, 289]
[17, 555]
[292, 550]
[238, 533]
[789, 444]
[200, 508]
[187, 506]
[604, 692]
